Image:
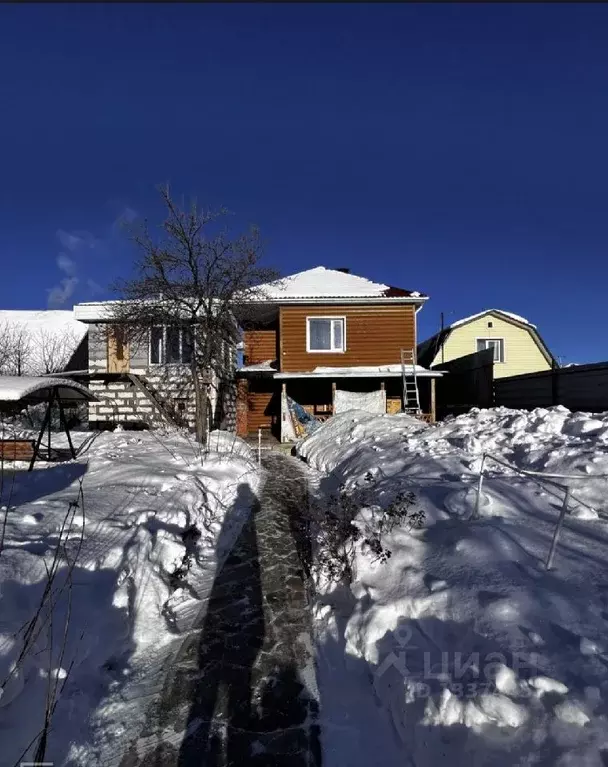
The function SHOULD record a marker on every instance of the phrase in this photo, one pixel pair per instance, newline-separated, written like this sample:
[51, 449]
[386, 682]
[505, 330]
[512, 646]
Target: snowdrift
[462, 647]
[154, 523]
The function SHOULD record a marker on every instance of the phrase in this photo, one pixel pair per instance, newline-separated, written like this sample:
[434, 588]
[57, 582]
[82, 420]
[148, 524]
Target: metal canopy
[33, 390]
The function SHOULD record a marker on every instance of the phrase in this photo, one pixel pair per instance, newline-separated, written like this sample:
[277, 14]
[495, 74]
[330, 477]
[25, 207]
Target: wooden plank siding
[259, 346]
[263, 404]
[375, 335]
[258, 416]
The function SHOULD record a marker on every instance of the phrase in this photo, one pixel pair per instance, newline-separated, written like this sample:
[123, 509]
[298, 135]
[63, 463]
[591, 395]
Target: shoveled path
[242, 689]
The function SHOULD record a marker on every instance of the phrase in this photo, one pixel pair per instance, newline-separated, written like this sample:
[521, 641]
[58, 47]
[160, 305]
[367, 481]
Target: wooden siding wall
[581, 387]
[375, 335]
[259, 346]
[262, 404]
[522, 353]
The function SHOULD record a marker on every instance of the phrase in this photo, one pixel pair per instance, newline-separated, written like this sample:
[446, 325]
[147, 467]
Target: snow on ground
[141, 494]
[462, 646]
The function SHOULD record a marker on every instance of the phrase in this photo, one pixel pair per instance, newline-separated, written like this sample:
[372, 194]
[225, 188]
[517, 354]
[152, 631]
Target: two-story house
[321, 332]
[147, 383]
[517, 344]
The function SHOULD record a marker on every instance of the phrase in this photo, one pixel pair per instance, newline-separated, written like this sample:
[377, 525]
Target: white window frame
[163, 349]
[485, 339]
[341, 318]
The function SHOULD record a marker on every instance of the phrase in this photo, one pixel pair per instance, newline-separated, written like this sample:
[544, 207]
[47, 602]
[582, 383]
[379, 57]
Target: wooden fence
[580, 387]
[468, 383]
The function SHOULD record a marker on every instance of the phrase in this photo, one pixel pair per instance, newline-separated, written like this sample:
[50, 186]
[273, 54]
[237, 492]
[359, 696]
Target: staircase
[139, 384]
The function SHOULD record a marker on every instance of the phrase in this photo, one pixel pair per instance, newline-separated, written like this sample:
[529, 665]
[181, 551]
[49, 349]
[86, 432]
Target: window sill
[325, 351]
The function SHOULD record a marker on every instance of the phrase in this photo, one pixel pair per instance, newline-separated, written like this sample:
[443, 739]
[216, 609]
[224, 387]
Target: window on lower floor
[170, 345]
[325, 334]
[498, 344]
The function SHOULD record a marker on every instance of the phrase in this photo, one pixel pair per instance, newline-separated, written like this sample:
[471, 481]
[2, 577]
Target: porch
[262, 395]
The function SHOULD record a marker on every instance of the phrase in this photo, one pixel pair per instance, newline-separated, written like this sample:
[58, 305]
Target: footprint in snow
[486, 598]
[434, 584]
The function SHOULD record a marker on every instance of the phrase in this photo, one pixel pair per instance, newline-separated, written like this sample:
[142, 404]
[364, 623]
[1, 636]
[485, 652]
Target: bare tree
[6, 347]
[23, 352]
[15, 349]
[52, 350]
[191, 277]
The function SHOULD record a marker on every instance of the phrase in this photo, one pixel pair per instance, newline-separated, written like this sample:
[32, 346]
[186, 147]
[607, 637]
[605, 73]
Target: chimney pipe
[343, 269]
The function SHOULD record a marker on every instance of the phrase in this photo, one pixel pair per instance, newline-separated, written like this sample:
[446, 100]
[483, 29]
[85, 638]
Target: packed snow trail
[242, 690]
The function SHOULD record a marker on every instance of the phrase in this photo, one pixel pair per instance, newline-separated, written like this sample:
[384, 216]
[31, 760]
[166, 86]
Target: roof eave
[338, 300]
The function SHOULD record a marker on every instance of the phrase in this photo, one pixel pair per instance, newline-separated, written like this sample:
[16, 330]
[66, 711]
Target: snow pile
[152, 526]
[462, 647]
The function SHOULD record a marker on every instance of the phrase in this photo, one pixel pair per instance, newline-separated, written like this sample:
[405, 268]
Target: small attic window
[490, 325]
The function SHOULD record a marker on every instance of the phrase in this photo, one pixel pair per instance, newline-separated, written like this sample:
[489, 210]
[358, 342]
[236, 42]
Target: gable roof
[500, 312]
[427, 350]
[322, 283]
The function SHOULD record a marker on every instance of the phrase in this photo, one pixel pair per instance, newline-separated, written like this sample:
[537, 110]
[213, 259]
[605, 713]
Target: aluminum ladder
[411, 397]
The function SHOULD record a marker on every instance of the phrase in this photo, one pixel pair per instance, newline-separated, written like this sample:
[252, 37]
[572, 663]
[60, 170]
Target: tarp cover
[370, 402]
[303, 423]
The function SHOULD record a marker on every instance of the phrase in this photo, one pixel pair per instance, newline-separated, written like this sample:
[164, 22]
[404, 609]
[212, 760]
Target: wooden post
[433, 401]
[284, 410]
[381, 385]
[54, 394]
[47, 417]
[333, 397]
[242, 407]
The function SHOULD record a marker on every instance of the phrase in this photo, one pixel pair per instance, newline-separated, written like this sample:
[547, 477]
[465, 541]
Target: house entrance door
[118, 351]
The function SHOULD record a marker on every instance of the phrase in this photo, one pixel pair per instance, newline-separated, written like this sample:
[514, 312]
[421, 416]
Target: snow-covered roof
[52, 321]
[323, 283]
[16, 388]
[268, 366]
[47, 338]
[363, 371]
[510, 315]
[95, 310]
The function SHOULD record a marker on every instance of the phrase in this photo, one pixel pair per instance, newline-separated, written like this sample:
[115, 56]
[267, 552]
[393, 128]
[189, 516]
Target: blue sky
[459, 150]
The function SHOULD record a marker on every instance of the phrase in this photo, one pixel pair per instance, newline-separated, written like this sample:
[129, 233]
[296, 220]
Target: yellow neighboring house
[518, 347]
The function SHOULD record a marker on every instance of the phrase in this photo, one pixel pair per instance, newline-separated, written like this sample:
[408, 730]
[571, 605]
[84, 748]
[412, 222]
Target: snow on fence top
[16, 388]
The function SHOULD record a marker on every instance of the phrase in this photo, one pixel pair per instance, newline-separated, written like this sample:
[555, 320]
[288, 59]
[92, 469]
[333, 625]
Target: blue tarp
[304, 423]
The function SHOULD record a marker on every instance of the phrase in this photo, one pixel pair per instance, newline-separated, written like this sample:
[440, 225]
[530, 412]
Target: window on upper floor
[498, 344]
[170, 345]
[325, 334]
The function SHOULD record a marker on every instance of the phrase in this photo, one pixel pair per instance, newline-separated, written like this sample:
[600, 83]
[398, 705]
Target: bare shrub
[338, 528]
[51, 618]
